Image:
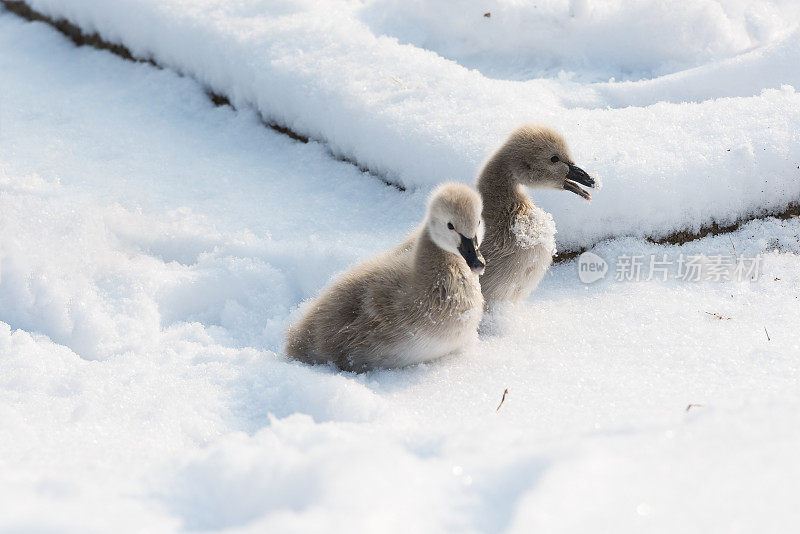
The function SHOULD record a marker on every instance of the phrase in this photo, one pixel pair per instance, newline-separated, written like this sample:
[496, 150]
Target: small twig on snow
[502, 400]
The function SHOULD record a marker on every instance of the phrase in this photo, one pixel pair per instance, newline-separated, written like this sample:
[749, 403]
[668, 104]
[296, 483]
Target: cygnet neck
[430, 258]
[500, 191]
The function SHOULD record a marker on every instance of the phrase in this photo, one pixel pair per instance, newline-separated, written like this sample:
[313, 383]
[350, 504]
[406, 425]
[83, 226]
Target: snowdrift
[700, 129]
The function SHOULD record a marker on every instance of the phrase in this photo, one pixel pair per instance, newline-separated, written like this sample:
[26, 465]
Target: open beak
[469, 250]
[576, 176]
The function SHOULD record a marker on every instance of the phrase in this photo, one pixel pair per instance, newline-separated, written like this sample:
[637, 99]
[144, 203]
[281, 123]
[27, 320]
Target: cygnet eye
[554, 159]
[450, 226]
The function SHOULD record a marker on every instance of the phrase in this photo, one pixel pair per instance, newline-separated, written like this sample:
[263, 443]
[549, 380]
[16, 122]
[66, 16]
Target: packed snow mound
[420, 119]
[585, 39]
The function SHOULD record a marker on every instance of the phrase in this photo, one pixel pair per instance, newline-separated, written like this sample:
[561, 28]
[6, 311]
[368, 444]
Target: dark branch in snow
[502, 400]
[77, 36]
[685, 236]
[73, 32]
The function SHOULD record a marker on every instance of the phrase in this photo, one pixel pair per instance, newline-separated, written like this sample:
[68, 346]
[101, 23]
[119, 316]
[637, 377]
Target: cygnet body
[414, 303]
[520, 238]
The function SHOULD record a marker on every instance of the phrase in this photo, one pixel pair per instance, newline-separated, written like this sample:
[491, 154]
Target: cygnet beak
[576, 176]
[468, 249]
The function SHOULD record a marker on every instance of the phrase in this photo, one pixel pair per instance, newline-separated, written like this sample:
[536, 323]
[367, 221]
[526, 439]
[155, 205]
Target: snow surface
[523, 40]
[701, 127]
[154, 247]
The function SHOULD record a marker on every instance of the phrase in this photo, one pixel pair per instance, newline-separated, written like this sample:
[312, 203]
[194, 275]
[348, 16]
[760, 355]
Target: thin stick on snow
[765, 331]
[502, 400]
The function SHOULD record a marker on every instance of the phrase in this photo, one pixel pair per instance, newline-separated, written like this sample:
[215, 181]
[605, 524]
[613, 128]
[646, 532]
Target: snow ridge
[668, 167]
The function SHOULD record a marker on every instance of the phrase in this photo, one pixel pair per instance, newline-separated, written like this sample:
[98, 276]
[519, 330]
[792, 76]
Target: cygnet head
[454, 223]
[539, 157]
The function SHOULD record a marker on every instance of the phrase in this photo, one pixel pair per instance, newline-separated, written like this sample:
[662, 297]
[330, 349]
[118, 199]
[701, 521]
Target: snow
[520, 41]
[535, 228]
[698, 130]
[153, 249]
